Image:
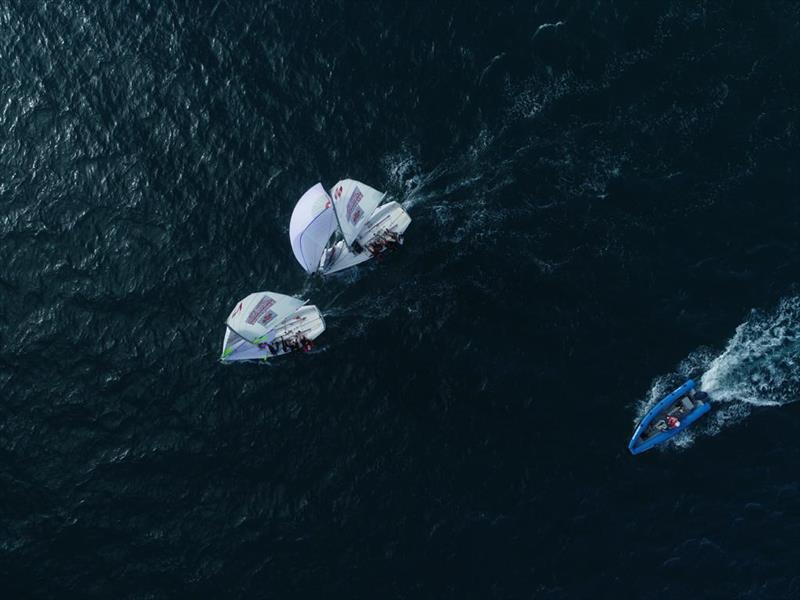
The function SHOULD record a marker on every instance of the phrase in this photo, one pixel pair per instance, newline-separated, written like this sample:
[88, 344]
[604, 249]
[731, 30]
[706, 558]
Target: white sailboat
[266, 324]
[363, 227]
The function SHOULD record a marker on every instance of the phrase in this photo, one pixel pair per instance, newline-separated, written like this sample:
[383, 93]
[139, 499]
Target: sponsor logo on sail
[259, 310]
[268, 316]
[354, 212]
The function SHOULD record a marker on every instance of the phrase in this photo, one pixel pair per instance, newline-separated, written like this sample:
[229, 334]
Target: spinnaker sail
[312, 224]
[354, 203]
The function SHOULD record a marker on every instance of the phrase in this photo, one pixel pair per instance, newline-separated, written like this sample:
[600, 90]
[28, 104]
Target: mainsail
[312, 224]
[255, 318]
[354, 203]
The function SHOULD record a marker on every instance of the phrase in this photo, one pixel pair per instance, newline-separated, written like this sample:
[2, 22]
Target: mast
[339, 223]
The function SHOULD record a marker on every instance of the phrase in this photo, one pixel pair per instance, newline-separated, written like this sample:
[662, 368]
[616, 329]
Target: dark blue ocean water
[604, 199]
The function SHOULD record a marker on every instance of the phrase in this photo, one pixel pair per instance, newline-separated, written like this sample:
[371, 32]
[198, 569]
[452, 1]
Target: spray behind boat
[759, 367]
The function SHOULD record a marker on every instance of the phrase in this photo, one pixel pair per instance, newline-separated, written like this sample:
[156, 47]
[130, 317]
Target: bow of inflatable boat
[673, 414]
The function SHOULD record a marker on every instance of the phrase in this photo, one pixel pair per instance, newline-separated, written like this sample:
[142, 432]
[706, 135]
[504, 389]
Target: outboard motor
[701, 396]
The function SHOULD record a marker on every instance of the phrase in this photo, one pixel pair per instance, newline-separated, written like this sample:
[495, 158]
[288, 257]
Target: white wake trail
[760, 366]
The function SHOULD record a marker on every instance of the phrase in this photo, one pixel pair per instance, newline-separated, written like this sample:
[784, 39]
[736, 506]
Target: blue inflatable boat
[668, 418]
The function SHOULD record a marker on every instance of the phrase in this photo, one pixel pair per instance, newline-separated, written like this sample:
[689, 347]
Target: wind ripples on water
[548, 154]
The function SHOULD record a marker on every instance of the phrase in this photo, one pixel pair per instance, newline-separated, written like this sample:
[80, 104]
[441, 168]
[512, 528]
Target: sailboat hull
[389, 217]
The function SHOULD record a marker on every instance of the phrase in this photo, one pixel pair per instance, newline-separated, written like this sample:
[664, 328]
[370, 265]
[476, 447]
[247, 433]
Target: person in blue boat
[673, 422]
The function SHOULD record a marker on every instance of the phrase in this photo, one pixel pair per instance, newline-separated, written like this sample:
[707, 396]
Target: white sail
[256, 317]
[354, 203]
[312, 224]
[305, 322]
